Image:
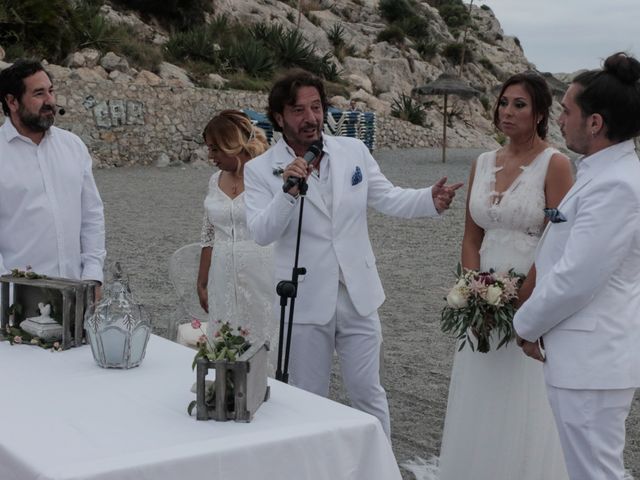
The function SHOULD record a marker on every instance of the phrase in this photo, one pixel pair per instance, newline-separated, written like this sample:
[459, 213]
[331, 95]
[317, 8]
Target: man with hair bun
[585, 308]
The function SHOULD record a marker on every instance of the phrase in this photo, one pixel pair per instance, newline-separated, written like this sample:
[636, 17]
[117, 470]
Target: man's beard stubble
[38, 122]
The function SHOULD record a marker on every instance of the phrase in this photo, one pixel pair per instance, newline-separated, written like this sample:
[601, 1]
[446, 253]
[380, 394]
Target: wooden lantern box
[70, 297]
[250, 390]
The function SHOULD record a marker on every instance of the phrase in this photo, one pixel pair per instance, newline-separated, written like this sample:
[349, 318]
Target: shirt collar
[614, 151]
[11, 133]
[290, 151]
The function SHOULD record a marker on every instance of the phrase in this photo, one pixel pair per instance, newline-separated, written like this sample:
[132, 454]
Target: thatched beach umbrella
[446, 84]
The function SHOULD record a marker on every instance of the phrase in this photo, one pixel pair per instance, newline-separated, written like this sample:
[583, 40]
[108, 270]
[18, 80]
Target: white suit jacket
[586, 302]
[331, 241]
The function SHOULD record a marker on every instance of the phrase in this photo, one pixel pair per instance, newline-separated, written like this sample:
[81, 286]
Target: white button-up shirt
[51, 214]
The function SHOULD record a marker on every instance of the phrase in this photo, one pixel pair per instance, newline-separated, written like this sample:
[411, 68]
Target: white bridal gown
[499, 425]
[241, 280]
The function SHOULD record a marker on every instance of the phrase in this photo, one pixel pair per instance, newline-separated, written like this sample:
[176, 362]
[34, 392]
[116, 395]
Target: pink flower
[477, 287]
[202, 339]
[217, 334]
[17, 339]
[195, 323]
[244, 332]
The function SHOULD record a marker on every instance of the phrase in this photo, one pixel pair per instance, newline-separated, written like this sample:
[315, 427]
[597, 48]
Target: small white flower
[456, 298]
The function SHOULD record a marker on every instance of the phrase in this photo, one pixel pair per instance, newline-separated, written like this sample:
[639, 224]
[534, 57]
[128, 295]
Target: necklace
[236, 184]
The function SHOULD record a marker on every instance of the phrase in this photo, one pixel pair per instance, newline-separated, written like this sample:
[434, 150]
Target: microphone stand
[288, 289]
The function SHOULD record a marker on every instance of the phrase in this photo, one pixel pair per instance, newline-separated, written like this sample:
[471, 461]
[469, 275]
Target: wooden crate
[250, 385]
[74, 297]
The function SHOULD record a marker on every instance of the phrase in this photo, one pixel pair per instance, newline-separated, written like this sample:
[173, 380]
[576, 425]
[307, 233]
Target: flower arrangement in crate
[481, 303]
[227, 345]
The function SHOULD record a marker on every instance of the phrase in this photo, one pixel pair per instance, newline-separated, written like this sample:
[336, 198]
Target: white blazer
[586, 302]
[331, 241]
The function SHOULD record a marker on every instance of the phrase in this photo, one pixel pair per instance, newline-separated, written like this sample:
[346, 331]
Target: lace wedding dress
[499, 425]
[241, 281]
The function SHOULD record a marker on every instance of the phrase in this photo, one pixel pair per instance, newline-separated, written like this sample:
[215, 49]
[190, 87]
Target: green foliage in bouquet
[482, 305]
[226, 345]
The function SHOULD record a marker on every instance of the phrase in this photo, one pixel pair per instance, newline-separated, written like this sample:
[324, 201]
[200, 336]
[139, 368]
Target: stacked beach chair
[361, 125]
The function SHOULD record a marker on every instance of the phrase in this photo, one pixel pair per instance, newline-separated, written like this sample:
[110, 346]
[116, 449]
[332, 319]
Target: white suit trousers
[357, 341]
[591, 424]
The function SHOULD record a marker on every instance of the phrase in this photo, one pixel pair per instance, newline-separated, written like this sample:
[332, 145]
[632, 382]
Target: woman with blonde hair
[235, 278]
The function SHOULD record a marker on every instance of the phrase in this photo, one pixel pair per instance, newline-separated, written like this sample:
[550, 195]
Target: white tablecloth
[62, 417]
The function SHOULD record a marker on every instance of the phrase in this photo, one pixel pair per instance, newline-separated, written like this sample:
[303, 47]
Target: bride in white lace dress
[235, 279]
[499, 425]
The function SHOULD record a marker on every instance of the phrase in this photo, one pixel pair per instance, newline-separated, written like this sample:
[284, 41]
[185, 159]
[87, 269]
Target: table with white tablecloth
[64, 418]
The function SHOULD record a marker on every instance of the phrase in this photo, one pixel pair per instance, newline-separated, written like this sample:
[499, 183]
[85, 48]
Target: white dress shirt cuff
[93, 272]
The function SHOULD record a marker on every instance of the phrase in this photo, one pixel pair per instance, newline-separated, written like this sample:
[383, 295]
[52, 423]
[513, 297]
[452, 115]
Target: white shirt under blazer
[332, 242]
[586, 303]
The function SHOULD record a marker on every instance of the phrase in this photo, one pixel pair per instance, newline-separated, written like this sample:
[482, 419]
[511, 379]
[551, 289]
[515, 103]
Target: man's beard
[36, 122]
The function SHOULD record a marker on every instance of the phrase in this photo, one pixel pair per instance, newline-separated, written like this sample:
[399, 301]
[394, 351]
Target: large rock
[97, 74]
[75, 60]
[357, 66]
[360, 81]
[119, 77]
[372, 102]
[59, 73]
[216, 81]
[174, 74]
[91, 57]
[163, 160]
[145, 77]
[146, 32]
[110, 62]
[392, 74]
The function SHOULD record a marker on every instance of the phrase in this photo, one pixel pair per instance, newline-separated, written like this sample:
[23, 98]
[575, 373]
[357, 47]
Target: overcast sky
[567, 35]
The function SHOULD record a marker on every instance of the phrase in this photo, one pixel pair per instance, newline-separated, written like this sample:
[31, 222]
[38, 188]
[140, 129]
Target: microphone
[313, 152]
[61, 110]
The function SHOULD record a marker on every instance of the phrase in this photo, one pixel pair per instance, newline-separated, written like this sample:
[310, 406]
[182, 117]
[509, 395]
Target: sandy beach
[151, 212]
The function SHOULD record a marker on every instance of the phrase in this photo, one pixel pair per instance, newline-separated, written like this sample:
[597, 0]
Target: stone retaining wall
[133, 123]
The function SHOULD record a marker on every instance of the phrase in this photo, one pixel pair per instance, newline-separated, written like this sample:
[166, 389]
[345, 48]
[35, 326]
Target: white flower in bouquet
[457, 298]
[493, 295]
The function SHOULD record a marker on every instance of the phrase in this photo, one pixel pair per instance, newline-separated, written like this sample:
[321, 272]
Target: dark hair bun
[623, 66]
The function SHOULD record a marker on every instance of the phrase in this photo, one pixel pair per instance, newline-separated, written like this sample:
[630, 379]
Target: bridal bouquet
[483, 303]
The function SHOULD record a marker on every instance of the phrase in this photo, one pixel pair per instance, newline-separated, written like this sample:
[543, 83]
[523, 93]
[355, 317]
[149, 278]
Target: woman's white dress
[241, 280]
[499, 425]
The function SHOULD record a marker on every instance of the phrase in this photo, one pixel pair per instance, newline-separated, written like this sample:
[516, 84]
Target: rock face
[141, 117]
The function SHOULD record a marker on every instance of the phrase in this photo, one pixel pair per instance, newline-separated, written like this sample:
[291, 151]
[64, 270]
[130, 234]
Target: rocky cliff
[130, 116]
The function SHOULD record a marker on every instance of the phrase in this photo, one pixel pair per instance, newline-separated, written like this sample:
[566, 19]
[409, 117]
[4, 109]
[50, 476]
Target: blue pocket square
[554, 215]
[356, 178]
